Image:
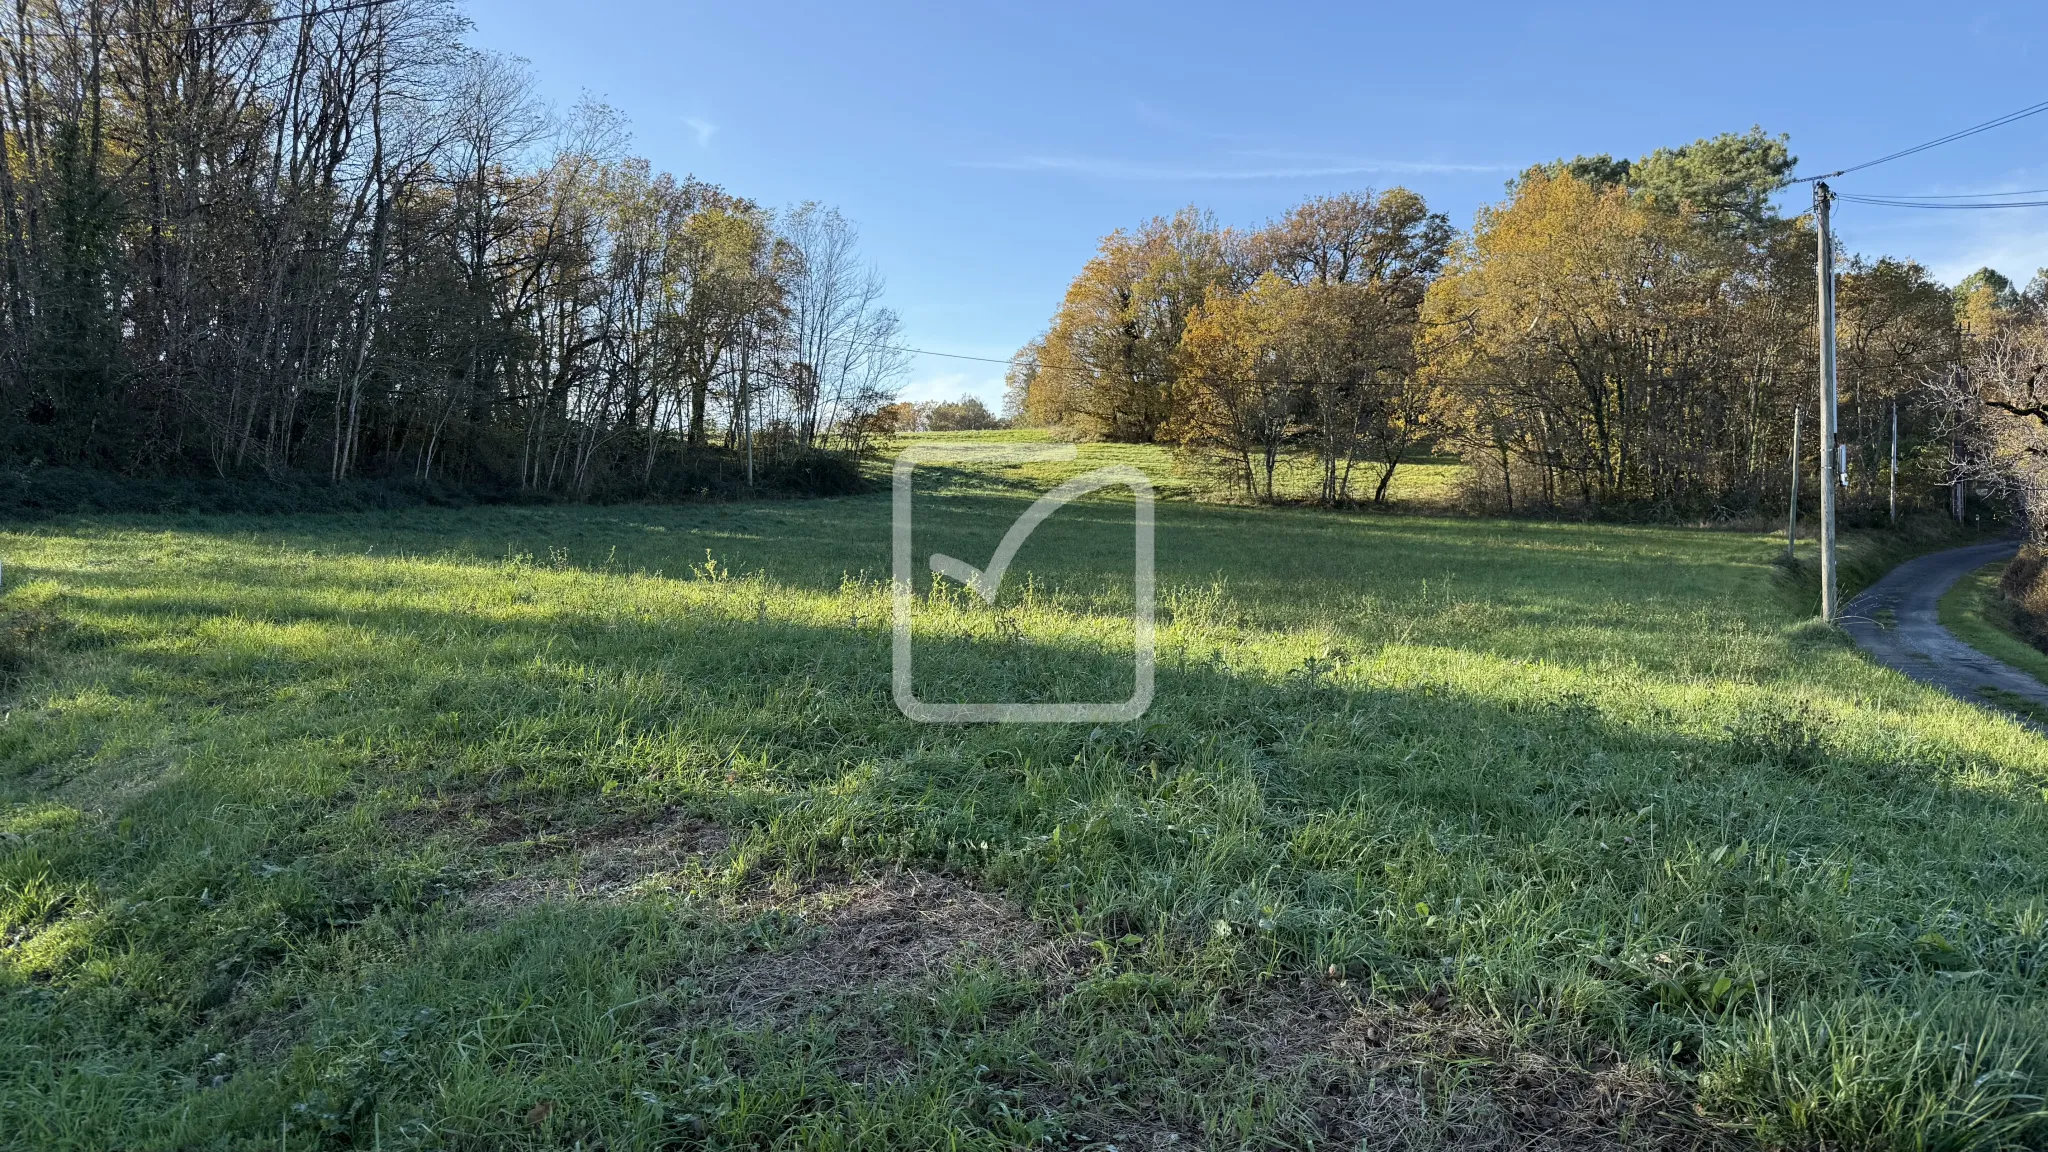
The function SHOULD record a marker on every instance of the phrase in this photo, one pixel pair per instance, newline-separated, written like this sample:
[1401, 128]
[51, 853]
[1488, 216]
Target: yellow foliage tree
[1582, 318]
[1238, 395]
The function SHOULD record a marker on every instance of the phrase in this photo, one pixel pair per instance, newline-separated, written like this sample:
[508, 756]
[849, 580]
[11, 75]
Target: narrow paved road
[1896, 621]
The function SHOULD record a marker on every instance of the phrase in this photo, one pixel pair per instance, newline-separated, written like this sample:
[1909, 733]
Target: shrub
[2025, 589]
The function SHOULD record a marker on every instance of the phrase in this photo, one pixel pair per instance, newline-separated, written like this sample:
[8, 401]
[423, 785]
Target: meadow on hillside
[560, 827]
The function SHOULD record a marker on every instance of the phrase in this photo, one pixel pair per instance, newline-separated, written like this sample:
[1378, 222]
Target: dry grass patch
[1421, 1074]
[887, 933]
[607, 862]
[1430, 1074]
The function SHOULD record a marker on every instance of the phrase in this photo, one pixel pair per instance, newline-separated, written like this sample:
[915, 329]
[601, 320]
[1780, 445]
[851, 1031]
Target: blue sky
[984, 149]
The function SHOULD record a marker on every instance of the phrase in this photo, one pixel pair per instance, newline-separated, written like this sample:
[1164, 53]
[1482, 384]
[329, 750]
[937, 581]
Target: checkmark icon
[987, 582]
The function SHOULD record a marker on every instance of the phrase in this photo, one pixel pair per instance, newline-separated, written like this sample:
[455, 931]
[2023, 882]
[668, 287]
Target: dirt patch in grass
[1423, 1074]
[474, 817]
[884, 933]
[608, 861]
[1430, 1074]
[843, 955]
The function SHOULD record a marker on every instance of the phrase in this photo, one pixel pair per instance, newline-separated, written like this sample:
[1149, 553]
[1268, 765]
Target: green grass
[1976, 612]
[554, 827]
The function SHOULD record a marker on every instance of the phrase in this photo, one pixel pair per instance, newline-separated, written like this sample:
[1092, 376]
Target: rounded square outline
[1145, 646]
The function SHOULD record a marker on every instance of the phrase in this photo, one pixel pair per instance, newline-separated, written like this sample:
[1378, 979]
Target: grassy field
[582, 828]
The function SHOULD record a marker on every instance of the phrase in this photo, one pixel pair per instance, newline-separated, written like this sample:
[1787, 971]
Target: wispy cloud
[1106, 169]
[704, 129]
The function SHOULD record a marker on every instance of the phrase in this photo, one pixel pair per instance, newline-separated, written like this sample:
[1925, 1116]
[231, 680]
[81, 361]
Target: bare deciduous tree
[335, 238]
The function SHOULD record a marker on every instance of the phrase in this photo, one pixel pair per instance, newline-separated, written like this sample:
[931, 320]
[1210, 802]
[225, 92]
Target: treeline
[1613, 332]
[1995, 413]
[967, 414]
[250, 238]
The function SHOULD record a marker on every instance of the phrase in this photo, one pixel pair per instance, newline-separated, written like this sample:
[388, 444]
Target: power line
[1997, 122]
[1955, 195]
[1892, 202]
[951, 355]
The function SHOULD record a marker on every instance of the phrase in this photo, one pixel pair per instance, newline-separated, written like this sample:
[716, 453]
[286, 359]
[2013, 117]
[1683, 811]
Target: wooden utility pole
[1792, 514]
[1892, 497]
[1829, 609]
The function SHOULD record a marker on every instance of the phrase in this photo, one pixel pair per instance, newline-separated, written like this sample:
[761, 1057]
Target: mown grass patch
[522, 827]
